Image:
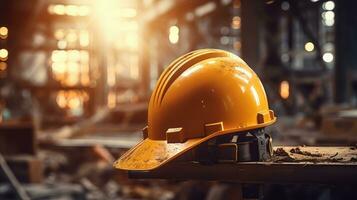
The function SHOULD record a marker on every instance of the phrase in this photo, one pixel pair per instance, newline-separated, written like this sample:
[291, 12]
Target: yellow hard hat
[201, 95]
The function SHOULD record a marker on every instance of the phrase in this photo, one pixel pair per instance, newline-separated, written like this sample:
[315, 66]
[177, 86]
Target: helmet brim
[150, 154]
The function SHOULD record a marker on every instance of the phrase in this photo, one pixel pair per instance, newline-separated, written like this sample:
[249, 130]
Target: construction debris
[297, 150]
[315, 154]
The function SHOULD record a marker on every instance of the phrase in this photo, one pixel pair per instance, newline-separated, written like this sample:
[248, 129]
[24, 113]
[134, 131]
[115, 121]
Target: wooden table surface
[289, 165]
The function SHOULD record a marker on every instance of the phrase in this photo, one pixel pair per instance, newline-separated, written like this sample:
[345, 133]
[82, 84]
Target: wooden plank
[288, 165]
[256, 172]
[315, 154]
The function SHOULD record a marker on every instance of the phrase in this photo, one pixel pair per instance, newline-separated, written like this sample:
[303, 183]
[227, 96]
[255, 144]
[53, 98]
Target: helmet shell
[200, 96]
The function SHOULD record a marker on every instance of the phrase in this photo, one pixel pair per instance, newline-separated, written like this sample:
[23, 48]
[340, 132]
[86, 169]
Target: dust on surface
[297, 150]
[315, 154]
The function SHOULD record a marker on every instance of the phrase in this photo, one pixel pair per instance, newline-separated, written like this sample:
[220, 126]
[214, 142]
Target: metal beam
[345, 49]
[251, 34]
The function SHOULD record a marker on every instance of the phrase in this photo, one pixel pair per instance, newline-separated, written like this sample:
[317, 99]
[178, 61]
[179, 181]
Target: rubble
[314, 154]
[280, 152]
[297, 150]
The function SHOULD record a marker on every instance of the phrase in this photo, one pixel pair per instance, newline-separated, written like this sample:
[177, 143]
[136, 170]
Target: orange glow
[59, 56]
[58, 9]
[116, 23]
[174, 34]
[236, 3]
[58, 67]
[84, 56]
[59, 34]
[128, 26]
[71, 99]
[84, 10]
[71, 36]
[70, 10]
[128, 12]
[4, 32]
[237, 45]
[284, 89]
[74, 102]
[111, 76]
[72, 78]
[111, 100]
[3, 66]
[73, 55]
[118, 27]
[61, 99]
[105, 16]
[132, 41]
[85, 81]
[62, 44]
[84, 38]
[3, 54]
[71, 67]
[236, 22]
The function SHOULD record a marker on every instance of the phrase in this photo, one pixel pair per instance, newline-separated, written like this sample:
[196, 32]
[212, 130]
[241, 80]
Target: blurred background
[76, 77]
